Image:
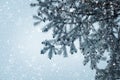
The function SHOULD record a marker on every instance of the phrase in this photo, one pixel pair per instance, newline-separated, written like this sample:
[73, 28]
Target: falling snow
[20, 49]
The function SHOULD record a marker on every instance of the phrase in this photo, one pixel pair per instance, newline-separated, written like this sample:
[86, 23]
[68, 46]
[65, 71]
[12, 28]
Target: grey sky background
[20, 44]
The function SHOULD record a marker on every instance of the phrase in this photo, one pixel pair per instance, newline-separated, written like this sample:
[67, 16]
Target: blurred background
[20, 45]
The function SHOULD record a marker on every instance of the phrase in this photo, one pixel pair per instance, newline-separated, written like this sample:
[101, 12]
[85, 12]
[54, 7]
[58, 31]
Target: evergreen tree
[94, 23]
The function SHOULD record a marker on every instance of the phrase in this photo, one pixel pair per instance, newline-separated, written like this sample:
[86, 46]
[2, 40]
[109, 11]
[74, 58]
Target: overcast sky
[20, 45]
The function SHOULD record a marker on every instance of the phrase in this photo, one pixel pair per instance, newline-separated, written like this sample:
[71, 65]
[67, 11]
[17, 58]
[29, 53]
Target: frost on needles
[94, 23]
